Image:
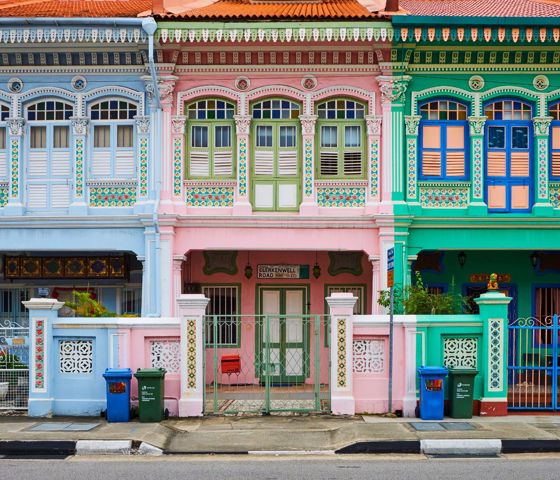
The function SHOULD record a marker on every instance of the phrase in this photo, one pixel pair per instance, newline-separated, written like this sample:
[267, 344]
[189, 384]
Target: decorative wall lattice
[460, 352]
[76, 356]
[495, 355]
[117, 196]
[369, 356]
[166, 354]
[341, 196]
[444, 196]
[205, 195]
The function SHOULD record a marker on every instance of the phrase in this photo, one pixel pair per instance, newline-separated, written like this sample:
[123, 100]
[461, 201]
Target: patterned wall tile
[4, 193]
[112, 196]
[308, 167]
[143, 175]
[79, 166]
[341, 196]
[444, 195]
[207, 195]
[554, 194]
[177, 166]
[14, 158]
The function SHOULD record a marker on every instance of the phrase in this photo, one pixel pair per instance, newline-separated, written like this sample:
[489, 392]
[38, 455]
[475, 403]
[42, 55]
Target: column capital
[308, 124]
[79, 125]
[178, 124]
[541, 126]
[15, 125]
[242, 124]
[142, 124]
[392, 88]
[476, 125]
[373, 123]
[166, 86]
[412, 122]
[43, 304]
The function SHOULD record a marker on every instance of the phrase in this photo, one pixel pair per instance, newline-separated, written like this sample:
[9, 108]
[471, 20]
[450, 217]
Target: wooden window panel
[496, 164]
[519, 164]
[519, 197]
[497, 196]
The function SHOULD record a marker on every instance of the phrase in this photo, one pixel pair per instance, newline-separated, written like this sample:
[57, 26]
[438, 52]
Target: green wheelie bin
[461, 392]
[151, 394]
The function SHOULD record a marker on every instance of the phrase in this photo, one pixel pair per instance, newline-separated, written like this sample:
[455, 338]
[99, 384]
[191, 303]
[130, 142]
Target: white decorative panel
[287, 196]
[264, 195]
[460, 352]
[166, 354]
[76, 356]
[369, 356]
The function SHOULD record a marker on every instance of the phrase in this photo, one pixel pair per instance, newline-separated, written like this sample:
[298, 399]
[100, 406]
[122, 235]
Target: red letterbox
[230, 364]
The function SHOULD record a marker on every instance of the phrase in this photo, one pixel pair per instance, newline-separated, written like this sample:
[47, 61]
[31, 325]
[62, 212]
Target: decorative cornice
[111, 182]
[374, 123]
[411, 123]
[541, 125]
[15, 125]
[242, 124]
[392, 88]
[79, 125]
[308, 124]
[476, 125]
[178, 124]
[72, 34]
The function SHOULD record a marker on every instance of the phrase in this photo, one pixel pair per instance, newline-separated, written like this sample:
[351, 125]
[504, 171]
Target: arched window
[341, 130]
[276, 169]
[4, 114]
[554, 112]
[210, 139]
[508, 174]
[443, 140]
[113, 142]
[49, 166]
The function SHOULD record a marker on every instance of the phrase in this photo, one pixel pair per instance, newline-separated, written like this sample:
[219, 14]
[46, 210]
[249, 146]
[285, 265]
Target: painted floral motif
[308, 170]
[444, 196]
[143, 166]
[554, 194]
[374, 168]
[112, 196]
[79, 161]
[477, 168]
[14, 155]
[191, 354]
[242, 165]
[341, 196]
[209, 195]
[177, 164]
[411, 160]
[543, 167]
[39, 380]
[341, 353]
[4, 192]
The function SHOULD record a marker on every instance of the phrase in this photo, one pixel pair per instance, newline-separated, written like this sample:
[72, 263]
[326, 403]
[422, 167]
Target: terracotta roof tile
[247, 9]
[482, 8]
[73, 8]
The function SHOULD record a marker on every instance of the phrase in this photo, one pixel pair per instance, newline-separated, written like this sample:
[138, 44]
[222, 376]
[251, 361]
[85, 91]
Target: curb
[383, 446]
[462, 447]
[104, 447]
[530, 446]
[37, 447]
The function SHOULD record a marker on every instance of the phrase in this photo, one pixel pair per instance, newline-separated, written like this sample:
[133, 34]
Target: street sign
[391, 267]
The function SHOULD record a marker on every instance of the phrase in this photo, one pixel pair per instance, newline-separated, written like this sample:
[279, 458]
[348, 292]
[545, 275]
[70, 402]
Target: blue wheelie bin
[432, 383]
[118, 394]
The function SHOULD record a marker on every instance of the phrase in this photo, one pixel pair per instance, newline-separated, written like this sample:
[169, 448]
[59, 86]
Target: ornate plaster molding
[308, 124]
[142, 124]
[15, 125]
[411, 123]
[392, 88]
[242, 124]
[79, 125]
[374, 123]
[541, 125]
[178, 124]
[476, 125]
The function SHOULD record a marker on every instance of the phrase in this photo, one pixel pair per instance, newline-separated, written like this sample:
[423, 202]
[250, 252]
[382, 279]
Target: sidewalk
[357, 434]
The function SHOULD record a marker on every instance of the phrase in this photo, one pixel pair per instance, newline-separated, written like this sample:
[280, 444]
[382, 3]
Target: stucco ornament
[178, 123]
[542, 125]
[541, 82]
[16, 126]
[412, 122]
[242, 124]
[373, 123]
[476, 82]
[165, 91]
[142, 125]
[392, 88]
[308, 124]
[476, 125]
[79, 125]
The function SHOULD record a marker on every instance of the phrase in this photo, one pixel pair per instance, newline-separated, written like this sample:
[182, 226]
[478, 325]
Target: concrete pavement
[357, 434]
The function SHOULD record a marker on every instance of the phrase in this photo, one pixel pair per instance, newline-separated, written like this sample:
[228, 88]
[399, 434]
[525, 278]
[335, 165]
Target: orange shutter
[496, 164]
[496, 196]
[431, 164]
[455, 161]
[556, 151]
[431, 160]
[520, 197]
[519, 164]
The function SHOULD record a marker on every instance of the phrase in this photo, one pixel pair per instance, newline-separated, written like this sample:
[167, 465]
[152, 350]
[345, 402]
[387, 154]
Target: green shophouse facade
[476, 181]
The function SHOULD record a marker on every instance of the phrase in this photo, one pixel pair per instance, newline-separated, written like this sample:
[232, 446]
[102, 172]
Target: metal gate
[262, 364]
[533, 364]
[14, 367]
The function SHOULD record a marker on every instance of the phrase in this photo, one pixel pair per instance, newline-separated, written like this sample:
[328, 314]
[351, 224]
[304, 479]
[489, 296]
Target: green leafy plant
[10, 361]
[85, 306]
[417, 299]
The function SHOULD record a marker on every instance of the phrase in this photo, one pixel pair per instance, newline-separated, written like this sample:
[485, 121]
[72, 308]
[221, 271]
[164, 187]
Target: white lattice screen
[165, 354]
[460, 352]
[76, 356]
[369, 356]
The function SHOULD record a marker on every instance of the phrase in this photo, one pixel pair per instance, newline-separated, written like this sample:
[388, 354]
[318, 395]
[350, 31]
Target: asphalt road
[352, 467]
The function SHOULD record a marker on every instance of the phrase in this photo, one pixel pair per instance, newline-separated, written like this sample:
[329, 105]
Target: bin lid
[432, 371]
[117, 373]
[462, 371]
[150, 373]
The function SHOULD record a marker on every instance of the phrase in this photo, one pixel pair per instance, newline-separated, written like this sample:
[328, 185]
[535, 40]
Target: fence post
[341, 307]
[191, 309]
[494, 315]
[42, 313]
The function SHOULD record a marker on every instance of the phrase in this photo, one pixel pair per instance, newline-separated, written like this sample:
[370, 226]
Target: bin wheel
[417, 412]
[166, 414]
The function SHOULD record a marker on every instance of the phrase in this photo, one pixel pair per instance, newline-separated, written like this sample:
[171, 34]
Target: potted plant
[86, 306]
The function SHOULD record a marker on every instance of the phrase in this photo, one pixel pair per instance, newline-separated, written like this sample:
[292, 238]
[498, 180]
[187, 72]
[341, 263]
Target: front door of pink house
[284, 335]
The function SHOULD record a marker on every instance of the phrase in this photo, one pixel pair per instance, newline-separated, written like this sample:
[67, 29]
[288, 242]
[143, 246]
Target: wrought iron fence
[14, 367]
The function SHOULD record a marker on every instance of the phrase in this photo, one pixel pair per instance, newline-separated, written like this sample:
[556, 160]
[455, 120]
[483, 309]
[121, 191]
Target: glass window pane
[264, 136]
[101, 136]
[38, 137]
[520, 137]
[60, 137]
[287, 136]
[496, 137]
[2, 138]
[199, 137]
[328, 137]
[352, 136]
[222, 136]
[125, 136]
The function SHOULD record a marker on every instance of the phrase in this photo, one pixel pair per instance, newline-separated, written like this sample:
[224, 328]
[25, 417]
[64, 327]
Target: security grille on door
[223, 306]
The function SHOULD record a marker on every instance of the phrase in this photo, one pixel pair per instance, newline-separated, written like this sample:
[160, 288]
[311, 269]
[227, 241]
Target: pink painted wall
[371, 389]
[134, 353]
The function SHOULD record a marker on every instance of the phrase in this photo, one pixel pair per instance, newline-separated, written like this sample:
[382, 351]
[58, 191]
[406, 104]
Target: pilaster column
[242, 206]
[309, 203]
[412, 123]
[42, 313]
[145, 284]
[373, 123]
[476, 131]
[178, 262]
[393, 89]
[178, 134]
[79, 130]
[494, 315]
[409, 261]
[143, 133]
[375, 260]
[15, 200]
[191, 309]
[341, 308]
[541, 127]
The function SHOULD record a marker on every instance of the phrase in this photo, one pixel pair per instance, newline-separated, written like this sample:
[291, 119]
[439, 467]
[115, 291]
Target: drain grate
[441, 426]
[63, 427]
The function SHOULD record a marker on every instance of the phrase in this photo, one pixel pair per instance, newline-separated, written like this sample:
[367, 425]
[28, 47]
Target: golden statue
[493, 283]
